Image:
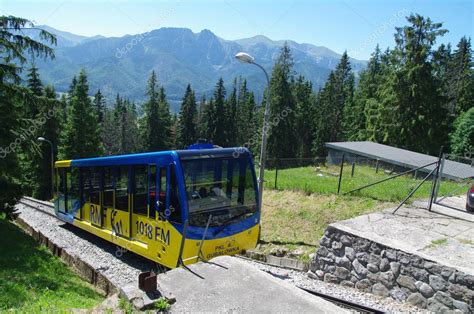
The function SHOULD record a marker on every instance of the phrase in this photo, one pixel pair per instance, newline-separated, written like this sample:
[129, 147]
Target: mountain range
[179, 56]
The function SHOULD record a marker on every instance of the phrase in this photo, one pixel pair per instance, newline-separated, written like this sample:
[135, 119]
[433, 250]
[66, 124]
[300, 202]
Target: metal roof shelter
[402, 157]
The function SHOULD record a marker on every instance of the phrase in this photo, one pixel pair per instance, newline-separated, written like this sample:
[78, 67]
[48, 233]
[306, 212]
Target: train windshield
[221, 187]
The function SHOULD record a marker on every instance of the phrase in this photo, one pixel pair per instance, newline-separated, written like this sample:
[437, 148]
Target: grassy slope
[294, 220]
[33, 280]
[325, 180]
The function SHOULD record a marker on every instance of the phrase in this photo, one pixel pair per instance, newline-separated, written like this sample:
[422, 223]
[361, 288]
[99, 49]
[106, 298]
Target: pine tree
[81, 134]
[99, 105]
[413, 111]
[166, 121]
[282, 141]
[461, 78]
[187, 128]
[220, 115]
[305, 113]
[15, 46]
[365, 110]
[50, 108]
[151, 119]
[231, 115]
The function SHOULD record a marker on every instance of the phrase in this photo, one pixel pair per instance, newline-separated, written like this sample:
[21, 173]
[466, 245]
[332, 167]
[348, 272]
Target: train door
[119, 215]
[62, 188]
[145, 202]
[95, 197]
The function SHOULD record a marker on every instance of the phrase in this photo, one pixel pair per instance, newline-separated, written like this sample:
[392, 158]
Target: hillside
[179, 56]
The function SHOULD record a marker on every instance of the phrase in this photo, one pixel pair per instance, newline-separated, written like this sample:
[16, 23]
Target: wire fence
[358, 176]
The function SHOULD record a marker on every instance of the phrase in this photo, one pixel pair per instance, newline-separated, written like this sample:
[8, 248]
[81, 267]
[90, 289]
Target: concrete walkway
[444, 235]
[227, 284]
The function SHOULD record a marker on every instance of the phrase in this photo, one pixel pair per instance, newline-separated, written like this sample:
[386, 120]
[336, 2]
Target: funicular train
[172, 207]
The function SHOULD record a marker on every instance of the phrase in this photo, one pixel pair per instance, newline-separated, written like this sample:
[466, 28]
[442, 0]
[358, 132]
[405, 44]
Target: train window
[152, 191]
[121, 188]
[73, 190]
[108, 187]
[62, 189]
[86, 184]
[175, 208]
[140, 190]
[96, 185]
[221, 187]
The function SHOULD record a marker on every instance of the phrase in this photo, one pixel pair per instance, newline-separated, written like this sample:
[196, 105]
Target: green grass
[33, 280]
[325, 181]
[296, 221]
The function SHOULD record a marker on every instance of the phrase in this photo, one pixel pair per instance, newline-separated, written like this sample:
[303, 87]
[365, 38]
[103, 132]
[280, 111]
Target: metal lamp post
[246, 58]
[42, 139]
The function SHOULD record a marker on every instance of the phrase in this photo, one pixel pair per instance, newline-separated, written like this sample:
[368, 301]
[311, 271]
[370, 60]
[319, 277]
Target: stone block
[342, 273]
[384, 264]
[438, 283]
[395, 268]
[330, 278]
[349, 253]
[372, 268]
[364, 285]
[407, 282]
[417, 300]
[398, 294]
[425, 289]
[359, 268]
[346, 240]
[444, 298]
[343, 262]
[380, 290]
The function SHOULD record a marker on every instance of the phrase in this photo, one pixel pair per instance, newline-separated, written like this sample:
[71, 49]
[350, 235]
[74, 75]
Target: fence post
[353, 168]
[276, 173]
[340, 174]
[435, 179]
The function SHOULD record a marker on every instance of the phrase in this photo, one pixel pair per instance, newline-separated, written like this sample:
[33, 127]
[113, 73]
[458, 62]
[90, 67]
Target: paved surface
[444, 235]
[228, 284]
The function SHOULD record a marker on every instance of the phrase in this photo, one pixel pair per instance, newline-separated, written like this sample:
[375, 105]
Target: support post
[435, 179]
[276, 176]
[340, 174]
[377, 166]
[352, 170]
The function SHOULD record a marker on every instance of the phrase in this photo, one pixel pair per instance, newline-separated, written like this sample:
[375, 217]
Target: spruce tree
[15, 46]
[150, 132]
[81, 134]
[187, 128]
[305, 113]
[461, 78]
[414, 114]
[220, 115]
[231, 115]
[282, 141]
[99, 105]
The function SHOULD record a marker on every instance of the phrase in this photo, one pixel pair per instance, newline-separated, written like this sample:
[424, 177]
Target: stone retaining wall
[357, 262]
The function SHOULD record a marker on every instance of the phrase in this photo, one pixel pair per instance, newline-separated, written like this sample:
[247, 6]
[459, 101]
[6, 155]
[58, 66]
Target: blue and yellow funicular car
[173, 207]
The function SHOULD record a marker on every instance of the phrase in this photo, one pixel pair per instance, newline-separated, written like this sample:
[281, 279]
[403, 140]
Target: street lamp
[246, 58]
[42, 139]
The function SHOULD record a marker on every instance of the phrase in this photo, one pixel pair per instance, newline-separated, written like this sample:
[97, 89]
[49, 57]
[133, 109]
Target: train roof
[151, 156]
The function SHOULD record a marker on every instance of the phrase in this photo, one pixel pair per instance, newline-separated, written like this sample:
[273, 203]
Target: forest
[417, 95]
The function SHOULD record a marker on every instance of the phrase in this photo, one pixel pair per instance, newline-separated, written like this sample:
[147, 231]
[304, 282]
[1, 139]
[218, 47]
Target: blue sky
[355, 26]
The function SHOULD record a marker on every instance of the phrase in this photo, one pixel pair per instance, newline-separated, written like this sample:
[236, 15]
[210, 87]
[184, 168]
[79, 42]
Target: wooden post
[340, 174]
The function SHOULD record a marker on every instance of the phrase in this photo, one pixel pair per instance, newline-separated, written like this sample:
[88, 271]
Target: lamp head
[244, 57]
[42, 139]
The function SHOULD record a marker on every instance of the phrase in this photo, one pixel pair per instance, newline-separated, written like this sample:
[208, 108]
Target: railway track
[42, 206]
[352, 306]
[48, 209]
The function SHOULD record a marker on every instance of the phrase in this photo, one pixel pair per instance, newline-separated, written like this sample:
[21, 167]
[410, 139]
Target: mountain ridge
[179, 56]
